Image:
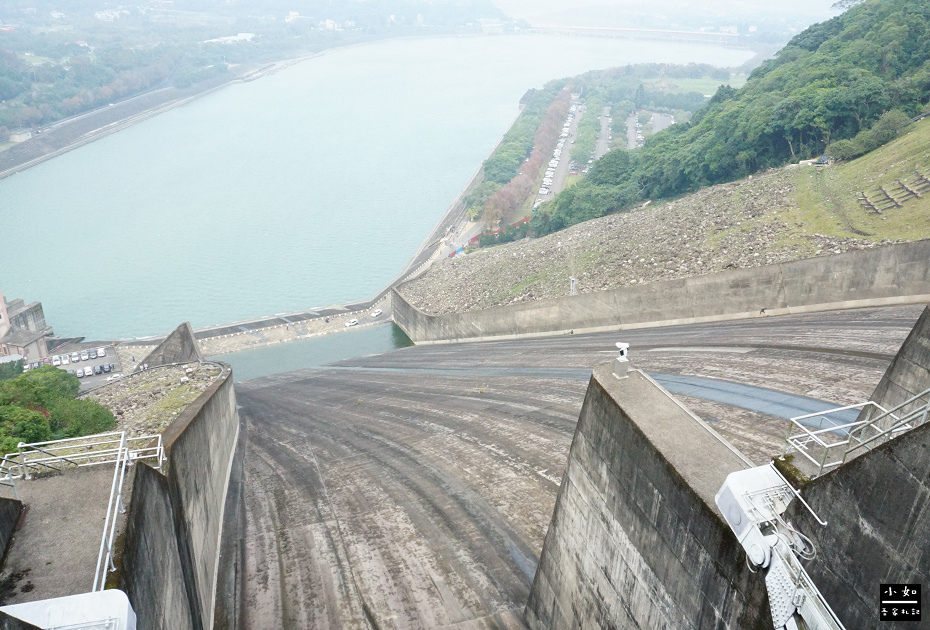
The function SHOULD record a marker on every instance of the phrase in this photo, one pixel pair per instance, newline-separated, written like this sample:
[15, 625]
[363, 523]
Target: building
[20, 136]
[23, 329]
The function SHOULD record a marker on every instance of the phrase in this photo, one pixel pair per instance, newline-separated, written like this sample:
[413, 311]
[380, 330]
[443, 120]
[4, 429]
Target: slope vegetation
[779, 215]
[844, 85]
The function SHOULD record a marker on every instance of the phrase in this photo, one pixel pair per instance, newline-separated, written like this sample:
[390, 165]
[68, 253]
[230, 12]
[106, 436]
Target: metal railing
[91, 450]
[105, 562]
[836, 443]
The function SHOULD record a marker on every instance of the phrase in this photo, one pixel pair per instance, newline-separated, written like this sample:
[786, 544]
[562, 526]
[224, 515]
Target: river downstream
[309, 187]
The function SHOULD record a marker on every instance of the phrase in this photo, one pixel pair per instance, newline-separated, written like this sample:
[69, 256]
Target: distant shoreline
[71, 133]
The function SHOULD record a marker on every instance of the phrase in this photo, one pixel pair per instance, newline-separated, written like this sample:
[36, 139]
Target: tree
[10, 369]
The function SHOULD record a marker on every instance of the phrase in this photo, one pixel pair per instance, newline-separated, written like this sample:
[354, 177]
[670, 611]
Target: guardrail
[92, 450]
[853, 438]
[105, 562]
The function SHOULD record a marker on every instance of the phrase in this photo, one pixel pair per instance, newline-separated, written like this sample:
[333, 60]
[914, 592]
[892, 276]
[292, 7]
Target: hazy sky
[619, 12]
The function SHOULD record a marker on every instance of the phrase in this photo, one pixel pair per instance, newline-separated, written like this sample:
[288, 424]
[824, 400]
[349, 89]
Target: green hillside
[778, 215]
[845, 84]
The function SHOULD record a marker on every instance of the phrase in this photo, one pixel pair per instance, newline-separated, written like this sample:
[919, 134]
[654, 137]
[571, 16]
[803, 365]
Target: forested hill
[842, 87]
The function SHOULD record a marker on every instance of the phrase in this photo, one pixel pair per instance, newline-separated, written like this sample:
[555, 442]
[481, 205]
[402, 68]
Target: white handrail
[803, 438]
[105, 560]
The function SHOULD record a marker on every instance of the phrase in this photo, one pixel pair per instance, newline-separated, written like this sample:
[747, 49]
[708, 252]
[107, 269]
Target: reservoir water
[309, 187]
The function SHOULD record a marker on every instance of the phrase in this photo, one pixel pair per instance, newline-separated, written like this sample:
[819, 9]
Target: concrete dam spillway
[424, 488]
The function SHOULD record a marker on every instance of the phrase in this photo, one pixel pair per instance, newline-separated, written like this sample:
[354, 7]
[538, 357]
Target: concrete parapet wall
[201, 446]
[10, 511]
[635, 540]
[895, 274]
[151, 563]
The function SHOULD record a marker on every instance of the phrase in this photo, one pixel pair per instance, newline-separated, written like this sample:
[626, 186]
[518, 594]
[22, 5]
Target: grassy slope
[826, 203]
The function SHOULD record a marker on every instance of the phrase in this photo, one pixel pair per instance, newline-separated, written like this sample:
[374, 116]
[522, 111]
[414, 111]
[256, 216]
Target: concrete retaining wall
[909, 372]
[895, 274]
[151, 562]
[635, 540]
[877, 509]
[877, 506]
[178, 347]
[10, 511]
[201, 445]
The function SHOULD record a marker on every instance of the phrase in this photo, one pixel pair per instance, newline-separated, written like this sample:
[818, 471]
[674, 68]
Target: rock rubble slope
[742, 224]
[147, 402]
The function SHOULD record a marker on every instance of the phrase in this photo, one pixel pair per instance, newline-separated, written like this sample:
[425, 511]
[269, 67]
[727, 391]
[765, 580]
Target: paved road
[413, 489]
[603, 138]
[561, 171]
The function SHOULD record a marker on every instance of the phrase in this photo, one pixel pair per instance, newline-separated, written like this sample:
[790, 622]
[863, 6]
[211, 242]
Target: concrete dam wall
[909, 372]
[896, 274]
[636, 540]
[878, 505]
[171, 558]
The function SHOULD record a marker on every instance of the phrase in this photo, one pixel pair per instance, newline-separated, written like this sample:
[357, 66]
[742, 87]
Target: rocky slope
[729, 226]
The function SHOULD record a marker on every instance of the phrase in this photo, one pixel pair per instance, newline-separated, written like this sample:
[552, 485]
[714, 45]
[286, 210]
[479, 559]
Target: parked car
[101, 352]
[75, 357]
[351, 322]
[56, 361]
[65, 360]
[84, 355]
[92, 354]
[114, 377]
[79, 373]
[98, 369]
[376, 312]
[88, 371]
[107, 368]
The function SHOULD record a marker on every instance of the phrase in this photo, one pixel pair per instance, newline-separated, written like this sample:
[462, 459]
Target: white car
[543, 191]
[84, 355]
[376, 312]
[101, 352]
[88, 371]
[114, 377]
[65, 360]
[351, 322]
[56, 360]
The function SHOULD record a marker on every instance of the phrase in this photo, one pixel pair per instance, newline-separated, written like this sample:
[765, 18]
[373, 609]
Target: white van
[88, 371]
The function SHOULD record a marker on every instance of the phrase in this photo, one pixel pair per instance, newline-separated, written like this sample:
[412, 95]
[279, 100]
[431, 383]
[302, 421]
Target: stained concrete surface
[55, 552]
[395, 499]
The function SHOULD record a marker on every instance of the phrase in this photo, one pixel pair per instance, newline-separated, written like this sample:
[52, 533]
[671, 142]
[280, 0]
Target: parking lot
[88, 356]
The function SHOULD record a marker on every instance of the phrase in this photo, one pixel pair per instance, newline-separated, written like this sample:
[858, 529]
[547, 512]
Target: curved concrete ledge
[172, 552]
[896, 274]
